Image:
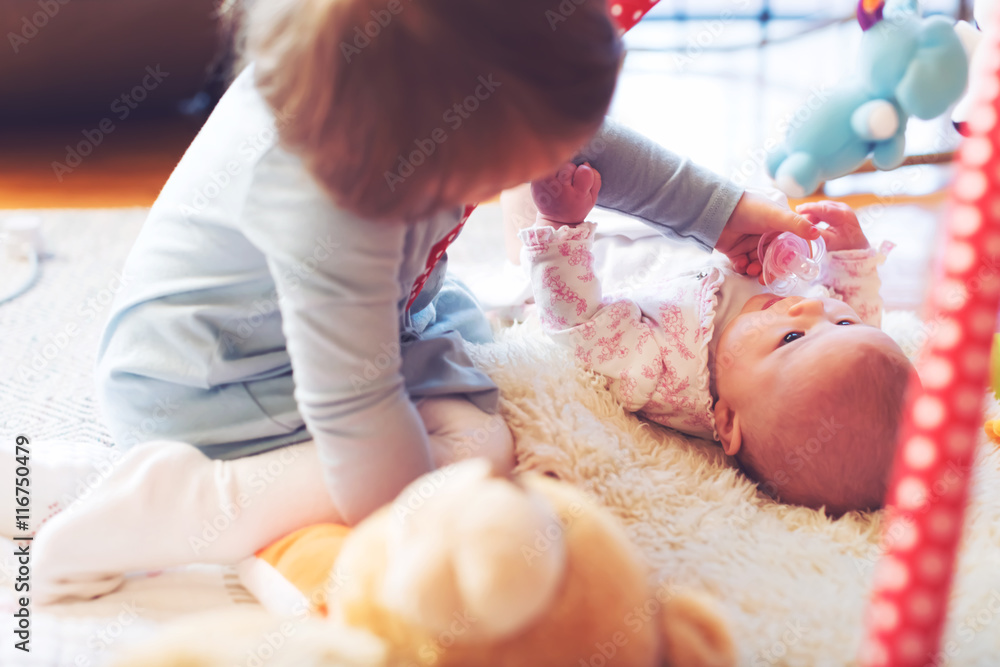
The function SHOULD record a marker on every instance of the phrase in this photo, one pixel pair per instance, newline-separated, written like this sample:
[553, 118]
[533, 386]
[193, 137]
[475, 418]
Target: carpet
[792, 582]
[48, 341]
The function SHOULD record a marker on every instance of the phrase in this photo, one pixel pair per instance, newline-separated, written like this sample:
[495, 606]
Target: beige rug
[48, 340]
[794, 583]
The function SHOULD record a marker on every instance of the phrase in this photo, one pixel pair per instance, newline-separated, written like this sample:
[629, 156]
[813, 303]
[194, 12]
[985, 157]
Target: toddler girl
[287, 349]
[805, 391]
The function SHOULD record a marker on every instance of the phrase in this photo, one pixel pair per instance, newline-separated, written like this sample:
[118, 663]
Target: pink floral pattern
[618, 312]
[612, 348]
[644, 335]
[654, 348]
[579, 255]
[557, 290]
[675, 329]
[626, 386]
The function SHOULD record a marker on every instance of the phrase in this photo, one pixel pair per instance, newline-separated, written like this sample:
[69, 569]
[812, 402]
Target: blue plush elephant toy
[907, 66]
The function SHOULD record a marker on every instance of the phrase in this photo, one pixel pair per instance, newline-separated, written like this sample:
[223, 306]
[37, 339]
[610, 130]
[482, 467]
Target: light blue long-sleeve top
[256, 313]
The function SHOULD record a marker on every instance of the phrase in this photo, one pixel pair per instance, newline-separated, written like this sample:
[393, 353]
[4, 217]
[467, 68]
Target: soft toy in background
[907, 66]
[971, 37]
[466, 569]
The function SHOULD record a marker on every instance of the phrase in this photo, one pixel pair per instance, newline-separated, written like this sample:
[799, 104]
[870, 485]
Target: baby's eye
[790, 337]
[844, 323]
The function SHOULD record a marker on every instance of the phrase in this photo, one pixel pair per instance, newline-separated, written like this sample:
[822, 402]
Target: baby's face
[776, 343]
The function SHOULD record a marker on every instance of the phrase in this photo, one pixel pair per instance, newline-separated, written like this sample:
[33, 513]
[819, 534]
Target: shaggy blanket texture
[794, 583]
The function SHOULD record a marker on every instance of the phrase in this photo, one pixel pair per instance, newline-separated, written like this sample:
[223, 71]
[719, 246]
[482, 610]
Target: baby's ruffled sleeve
[615, 338]
[852, 275]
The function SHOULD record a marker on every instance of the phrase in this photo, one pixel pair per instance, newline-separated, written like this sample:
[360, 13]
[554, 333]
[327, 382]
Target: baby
[806, 392]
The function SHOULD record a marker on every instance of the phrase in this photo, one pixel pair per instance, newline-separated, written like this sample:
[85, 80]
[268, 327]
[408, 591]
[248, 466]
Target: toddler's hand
[845, 230]
[754, 216]
[567, 196]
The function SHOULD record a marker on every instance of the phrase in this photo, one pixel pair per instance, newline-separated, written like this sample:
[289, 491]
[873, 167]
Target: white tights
[166, 504]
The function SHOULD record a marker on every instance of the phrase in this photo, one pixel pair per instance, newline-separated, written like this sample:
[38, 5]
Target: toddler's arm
[682, 200]
[338, 290]
[644, 180]
[850, 268]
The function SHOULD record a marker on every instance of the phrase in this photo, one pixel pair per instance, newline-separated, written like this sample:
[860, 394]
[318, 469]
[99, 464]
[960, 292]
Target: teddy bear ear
[511, 559]
[695, 633]
[469, 557]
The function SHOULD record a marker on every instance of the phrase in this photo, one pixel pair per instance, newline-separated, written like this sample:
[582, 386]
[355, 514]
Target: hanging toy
[786, 259]
[869, 12]
[907, 66]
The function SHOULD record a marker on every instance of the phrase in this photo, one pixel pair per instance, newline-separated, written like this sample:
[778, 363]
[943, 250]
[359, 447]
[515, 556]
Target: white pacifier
[788, 259]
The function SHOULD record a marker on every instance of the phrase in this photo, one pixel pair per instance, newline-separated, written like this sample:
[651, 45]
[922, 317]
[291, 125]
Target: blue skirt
[256, 415]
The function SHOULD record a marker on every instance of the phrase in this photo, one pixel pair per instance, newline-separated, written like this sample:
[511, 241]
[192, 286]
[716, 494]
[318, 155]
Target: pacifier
[788, 259]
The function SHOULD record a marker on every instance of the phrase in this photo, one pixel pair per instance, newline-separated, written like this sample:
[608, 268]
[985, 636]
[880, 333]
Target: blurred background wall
[65, 59]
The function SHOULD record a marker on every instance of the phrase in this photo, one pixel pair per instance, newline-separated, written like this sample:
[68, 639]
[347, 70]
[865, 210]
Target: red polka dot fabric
[628, 12]
[930, 482]
[437, 251]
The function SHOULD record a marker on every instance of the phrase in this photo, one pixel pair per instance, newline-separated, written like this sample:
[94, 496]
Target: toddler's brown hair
[394, 104]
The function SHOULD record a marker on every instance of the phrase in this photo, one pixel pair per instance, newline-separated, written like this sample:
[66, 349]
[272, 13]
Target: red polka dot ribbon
[628, 12]
[437, 252]
[930, 480]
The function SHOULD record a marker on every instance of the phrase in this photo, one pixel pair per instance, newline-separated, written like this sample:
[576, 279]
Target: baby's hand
[567, 196]
[754, 216]
[845, 230]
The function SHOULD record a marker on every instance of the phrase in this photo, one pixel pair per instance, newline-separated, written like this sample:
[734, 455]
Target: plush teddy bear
[907, 66]
[466, 569]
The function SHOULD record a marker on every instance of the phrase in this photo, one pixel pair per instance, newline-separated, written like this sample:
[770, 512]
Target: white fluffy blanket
[794, 583]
